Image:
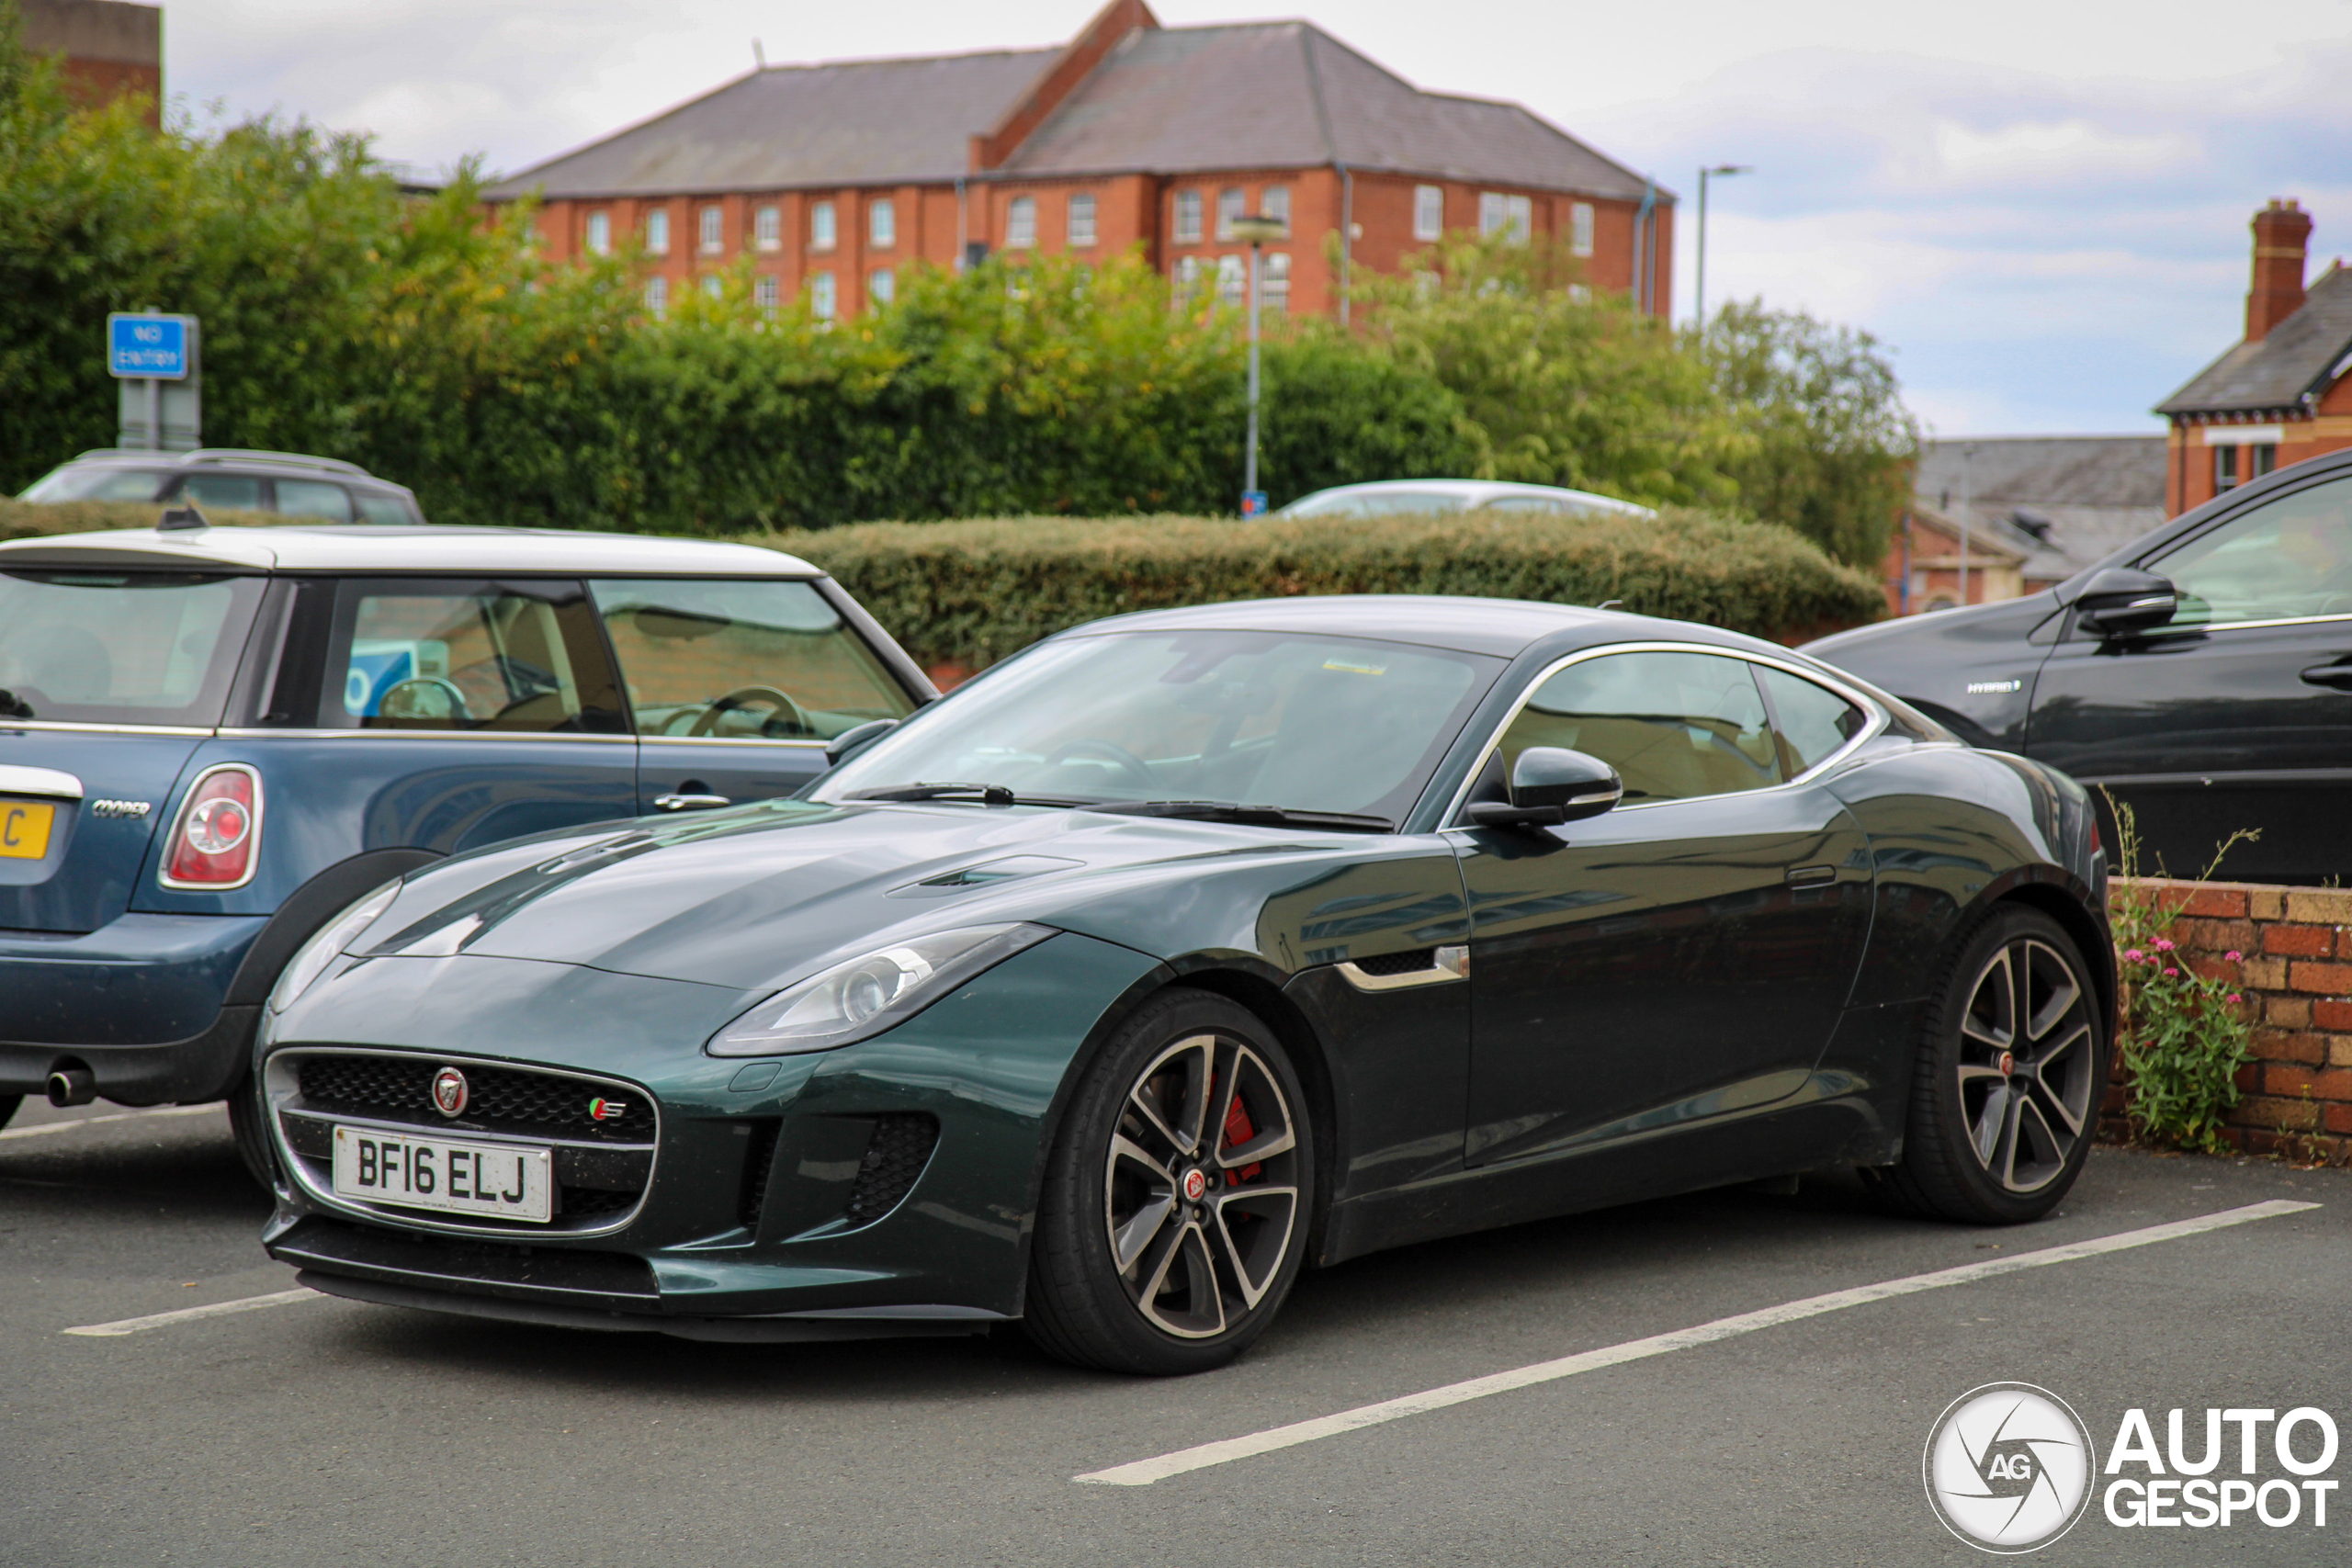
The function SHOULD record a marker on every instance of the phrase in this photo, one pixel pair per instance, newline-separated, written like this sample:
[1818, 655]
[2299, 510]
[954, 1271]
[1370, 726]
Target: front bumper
[137, 1001]
[883, 1188]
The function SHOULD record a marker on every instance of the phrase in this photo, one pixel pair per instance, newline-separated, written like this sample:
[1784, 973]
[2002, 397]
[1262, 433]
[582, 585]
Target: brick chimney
[2280, 232]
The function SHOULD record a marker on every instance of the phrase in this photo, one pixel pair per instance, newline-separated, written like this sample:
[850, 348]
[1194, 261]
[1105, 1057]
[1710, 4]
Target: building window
[2266, 459]
[1274, 202]
[1428, 212]
[763, 293]
[657, 296]
[821, 300]
[1187, 277]
[883, 287]
[1511, 215]
[1021, 222]
[1081, 220]
[882, 224]
[714, 231]
[657, 232]
[600, 234]
[713, 285]
[1232, 280]
[1228, 208]
[1580, 228]
[1273, 289]
[2225, 468]
[768, 228]
[1188, 218]
[820, 226]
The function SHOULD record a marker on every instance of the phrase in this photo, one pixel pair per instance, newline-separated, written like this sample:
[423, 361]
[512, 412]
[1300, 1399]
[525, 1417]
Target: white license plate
[445, 1175]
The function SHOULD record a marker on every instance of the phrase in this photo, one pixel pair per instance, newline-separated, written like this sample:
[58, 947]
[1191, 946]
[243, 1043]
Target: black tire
[249, 1124]
[9, 1104]
[2002, 1118]
[1209, 1263]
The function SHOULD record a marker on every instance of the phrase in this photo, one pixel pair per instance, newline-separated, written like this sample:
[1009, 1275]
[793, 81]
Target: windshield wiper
[1251, 816]
[986, 794]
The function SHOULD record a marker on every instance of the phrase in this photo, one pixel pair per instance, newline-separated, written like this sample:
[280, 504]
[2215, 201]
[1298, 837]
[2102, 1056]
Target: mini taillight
[213, 844]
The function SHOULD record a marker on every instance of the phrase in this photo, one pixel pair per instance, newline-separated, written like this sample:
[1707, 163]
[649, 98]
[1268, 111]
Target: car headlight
[872, 992]
[312, 959]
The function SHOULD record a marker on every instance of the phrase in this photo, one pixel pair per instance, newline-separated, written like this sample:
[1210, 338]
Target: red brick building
[834, 178]
[2284, 393]
[109, 49]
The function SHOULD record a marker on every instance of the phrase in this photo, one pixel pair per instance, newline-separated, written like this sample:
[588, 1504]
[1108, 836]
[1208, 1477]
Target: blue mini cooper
[212, 739]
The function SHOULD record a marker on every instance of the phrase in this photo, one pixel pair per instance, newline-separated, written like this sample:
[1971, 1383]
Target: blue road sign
[1253, 503]
[154, 347]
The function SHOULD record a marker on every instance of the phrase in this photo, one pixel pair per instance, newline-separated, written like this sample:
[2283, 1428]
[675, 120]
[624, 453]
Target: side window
[742, 660]
[2288, 560]
[389, 509]
[234, 490]
[1675, 725]
[514, 657]
[314, 497]
[1813, 721]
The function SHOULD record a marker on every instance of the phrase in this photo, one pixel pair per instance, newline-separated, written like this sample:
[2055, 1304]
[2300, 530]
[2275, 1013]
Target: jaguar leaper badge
[449, 1092]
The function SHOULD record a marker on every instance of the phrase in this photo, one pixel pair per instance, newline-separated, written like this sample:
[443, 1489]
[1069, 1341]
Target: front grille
[1409, 963]
[894, 1156]
[503, 1099]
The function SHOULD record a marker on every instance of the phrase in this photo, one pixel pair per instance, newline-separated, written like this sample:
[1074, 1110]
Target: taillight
[212, 845]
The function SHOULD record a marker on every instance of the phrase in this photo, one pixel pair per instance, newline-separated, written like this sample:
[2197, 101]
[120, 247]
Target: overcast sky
[2041, 205]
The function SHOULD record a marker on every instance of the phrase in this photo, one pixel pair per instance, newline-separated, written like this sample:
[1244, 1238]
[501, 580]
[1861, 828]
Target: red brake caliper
[1237, 1131]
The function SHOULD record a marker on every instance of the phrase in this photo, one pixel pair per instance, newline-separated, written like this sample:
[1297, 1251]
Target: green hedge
[20, 520]
[970, 594]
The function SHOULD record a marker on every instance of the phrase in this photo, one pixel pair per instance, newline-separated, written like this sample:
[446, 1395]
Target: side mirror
[849, 741]
[1549, 785]
[2122, 600]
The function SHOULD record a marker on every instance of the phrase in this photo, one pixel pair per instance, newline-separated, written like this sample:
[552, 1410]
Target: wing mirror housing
[1550, 785]
[2122, 600]
[849, 742]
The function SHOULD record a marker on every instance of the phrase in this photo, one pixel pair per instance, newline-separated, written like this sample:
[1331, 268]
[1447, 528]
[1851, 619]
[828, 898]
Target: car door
[736, 685]
[1683, 957]
[2237, 713]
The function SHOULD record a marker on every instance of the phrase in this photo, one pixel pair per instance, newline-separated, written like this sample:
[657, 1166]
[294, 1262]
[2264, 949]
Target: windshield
[94, 483]
[96, 647]
[1375, 503]
[1266, 718]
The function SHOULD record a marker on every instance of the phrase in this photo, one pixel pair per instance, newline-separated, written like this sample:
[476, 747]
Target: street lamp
[1704, 175]
[1256, 229]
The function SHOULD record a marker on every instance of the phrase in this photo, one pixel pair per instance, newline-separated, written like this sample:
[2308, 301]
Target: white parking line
[46, 1128]
[185, 1314]
[1144, 1472]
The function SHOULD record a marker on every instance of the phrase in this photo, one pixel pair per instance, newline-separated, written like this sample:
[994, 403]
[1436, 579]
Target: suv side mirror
[850, 742]
[2122, 600]
[1549, 785]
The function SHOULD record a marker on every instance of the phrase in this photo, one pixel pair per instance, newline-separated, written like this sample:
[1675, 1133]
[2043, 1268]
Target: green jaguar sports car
[1188, 948]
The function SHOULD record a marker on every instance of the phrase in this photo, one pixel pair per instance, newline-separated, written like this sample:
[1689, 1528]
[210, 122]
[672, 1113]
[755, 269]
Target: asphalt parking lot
[322, 1432]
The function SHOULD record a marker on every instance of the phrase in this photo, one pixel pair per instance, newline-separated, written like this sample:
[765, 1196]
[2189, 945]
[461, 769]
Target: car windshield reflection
[1281, 720]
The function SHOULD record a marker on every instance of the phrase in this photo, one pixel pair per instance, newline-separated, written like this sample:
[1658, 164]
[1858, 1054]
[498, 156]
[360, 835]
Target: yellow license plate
[24, 830]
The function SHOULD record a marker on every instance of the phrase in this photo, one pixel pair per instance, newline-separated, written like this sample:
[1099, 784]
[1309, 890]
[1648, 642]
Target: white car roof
[425, 548]
[1476, 491]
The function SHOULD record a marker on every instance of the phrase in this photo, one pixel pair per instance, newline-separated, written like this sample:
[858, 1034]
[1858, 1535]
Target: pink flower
[2163, 945]
[2133, 955]
[2235, 997]
[2172, 973]
[2234, 955]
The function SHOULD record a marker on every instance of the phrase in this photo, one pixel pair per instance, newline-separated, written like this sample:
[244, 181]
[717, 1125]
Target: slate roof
[854, 122]
[2068, 499]
[2302, 356]
[1287, 95]
[1166, 100]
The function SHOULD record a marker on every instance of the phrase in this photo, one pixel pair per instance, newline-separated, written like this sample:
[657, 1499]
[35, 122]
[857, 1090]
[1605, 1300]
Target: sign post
[154, 356]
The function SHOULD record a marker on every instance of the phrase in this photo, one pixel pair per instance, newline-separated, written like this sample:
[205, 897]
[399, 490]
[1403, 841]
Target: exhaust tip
[72, 1086]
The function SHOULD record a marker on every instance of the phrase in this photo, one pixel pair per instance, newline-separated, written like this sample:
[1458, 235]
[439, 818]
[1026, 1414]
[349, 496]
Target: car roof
[1475, 490]
[1502, 627]
[233, 459]
[437, 547]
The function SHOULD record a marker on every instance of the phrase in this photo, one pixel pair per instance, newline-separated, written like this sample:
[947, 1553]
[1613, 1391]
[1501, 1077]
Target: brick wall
[2295, 972]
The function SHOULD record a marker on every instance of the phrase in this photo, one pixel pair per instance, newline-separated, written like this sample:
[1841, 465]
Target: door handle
[2338, 676]
[690, 802]
[1810, 876]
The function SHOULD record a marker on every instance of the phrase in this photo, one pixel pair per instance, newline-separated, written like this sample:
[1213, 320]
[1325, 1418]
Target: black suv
[2203, 674]
[322, 488]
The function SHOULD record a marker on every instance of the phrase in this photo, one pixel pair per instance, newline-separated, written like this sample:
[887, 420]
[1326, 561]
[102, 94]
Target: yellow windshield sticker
[1355, 666]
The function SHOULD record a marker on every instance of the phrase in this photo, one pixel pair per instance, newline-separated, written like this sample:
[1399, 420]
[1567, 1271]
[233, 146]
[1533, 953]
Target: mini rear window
[99, 646]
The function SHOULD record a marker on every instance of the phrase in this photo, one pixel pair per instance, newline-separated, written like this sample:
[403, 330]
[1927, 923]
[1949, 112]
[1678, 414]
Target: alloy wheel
[2028, 1068]
[1201, 1186]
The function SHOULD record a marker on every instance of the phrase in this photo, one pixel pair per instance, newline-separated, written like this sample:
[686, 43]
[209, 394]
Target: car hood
[756, 898]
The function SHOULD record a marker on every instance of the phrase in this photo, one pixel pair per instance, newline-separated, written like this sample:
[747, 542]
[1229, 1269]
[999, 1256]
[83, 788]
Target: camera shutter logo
[2009, 1467]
